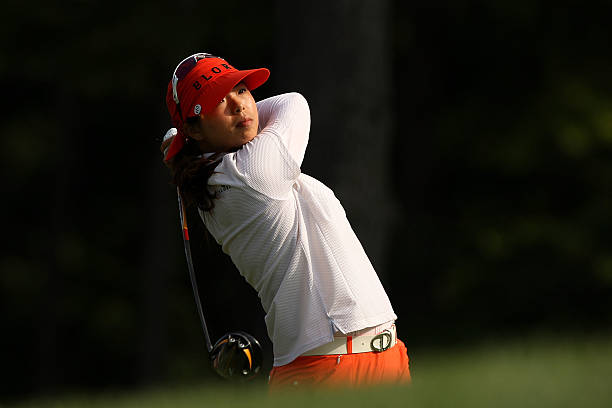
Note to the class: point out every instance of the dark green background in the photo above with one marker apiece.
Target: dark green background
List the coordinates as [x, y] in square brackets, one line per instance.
[497, 122]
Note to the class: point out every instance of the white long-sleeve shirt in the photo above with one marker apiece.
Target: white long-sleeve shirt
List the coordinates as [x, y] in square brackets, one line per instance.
[289, 237]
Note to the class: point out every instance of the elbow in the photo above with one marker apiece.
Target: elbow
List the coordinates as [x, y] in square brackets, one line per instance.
[298, 99]
[299, 104]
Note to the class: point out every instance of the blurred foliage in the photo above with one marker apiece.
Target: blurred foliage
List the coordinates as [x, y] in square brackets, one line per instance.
[507, 209]
[502, 165]
[83, 176]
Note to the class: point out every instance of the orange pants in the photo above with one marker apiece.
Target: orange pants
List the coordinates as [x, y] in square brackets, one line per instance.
[362, 369]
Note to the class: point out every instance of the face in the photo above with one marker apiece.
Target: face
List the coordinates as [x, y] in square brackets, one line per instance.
[231, 124]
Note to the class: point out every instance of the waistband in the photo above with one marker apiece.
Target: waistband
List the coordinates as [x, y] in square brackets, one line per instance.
[371, 341]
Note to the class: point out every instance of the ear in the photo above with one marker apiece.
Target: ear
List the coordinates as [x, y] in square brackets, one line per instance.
[193, 130]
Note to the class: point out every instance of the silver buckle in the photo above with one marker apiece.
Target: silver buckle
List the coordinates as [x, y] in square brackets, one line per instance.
[384, 340]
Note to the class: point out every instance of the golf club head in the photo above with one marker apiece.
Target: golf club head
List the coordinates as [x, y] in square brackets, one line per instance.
[236, 356]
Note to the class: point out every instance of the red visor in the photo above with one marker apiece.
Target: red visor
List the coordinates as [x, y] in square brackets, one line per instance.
[202, 89]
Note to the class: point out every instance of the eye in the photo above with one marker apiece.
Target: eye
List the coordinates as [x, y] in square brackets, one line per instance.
[242, 90]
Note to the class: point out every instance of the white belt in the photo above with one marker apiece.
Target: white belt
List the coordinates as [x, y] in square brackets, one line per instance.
[357, 344]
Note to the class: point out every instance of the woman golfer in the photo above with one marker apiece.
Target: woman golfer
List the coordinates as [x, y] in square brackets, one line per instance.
[327, 314]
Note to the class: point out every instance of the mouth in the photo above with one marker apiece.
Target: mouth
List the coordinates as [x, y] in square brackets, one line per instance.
[246, 122]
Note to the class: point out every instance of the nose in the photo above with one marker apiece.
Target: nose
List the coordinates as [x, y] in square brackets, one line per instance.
[237, 104]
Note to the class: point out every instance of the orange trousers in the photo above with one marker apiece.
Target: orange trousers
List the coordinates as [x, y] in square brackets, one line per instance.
[344, 370]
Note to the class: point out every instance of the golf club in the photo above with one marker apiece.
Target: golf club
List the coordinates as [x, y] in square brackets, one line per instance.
[236, 355]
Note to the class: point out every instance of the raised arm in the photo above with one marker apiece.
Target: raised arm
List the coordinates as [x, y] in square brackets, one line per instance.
[287, 116]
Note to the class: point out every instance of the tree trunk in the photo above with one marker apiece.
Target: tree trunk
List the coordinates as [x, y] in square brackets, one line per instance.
[337, 54]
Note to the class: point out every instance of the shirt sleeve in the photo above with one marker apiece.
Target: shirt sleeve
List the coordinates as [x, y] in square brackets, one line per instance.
[271, 162]
[287, 116]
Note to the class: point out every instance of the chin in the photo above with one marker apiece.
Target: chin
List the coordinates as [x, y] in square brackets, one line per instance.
[248, 138]
[239, 146]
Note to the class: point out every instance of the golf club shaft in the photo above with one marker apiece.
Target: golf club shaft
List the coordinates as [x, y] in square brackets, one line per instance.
[192, 276]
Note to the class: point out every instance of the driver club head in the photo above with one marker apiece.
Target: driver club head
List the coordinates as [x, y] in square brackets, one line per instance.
[236, 356]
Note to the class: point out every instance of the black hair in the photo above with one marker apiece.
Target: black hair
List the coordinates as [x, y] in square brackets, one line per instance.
[191, 170]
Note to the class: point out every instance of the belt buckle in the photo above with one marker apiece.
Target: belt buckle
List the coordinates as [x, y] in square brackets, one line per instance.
[384, 340]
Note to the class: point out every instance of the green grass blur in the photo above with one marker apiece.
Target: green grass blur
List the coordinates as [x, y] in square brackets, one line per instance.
[535, 372]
